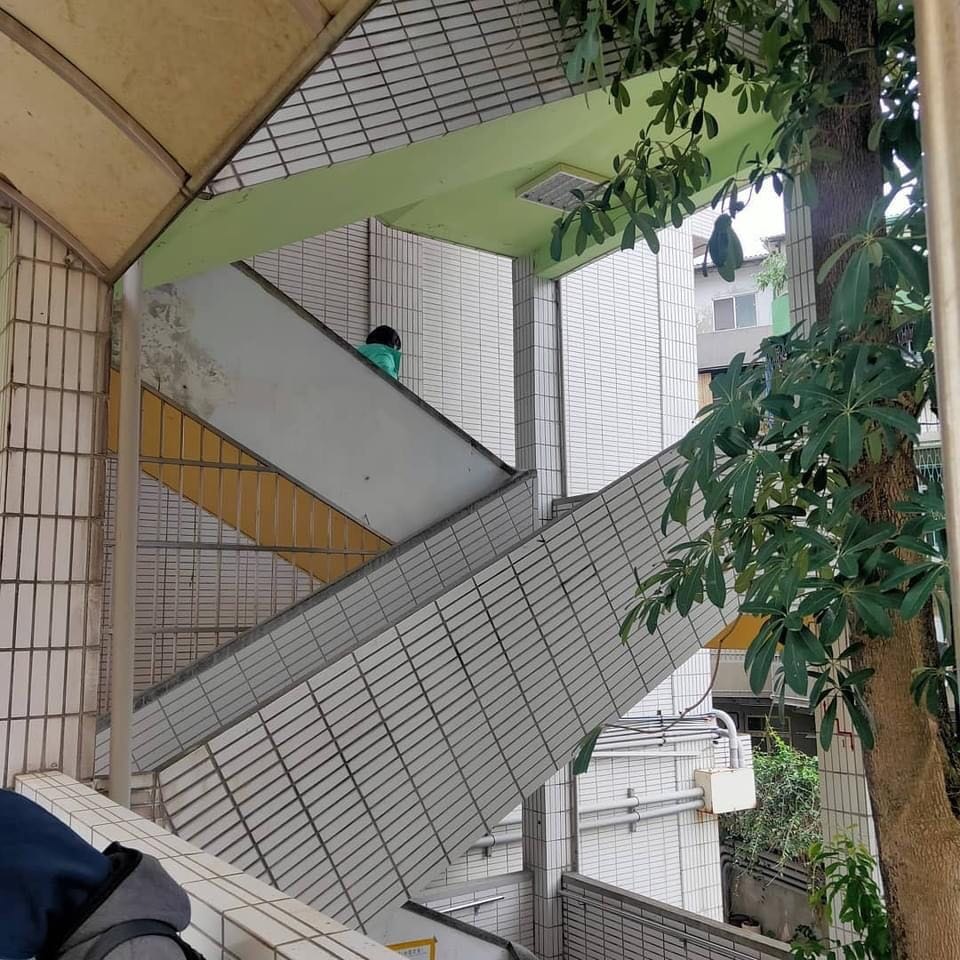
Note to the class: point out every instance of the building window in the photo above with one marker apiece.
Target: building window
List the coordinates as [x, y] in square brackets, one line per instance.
[739, 311]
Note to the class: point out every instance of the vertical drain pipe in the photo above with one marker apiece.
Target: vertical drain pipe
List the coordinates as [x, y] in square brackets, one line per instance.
[938, 53]
[125, 546]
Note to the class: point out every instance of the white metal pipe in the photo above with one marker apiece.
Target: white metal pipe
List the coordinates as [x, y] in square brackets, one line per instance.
[496, 840]
[125, 548]
[663, 740]
[647, 754]
[628, 803]
[938, 56]
[653, 814]
[693, 798]
[473, 905]
[736, 760]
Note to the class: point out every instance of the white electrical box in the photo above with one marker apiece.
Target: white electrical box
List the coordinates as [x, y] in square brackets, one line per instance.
[726, 790]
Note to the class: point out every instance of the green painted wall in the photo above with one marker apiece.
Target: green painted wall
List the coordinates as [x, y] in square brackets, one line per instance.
[781, 315]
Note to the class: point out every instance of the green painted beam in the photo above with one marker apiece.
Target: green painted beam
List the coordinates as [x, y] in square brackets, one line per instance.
[460, 187]
[240, 224]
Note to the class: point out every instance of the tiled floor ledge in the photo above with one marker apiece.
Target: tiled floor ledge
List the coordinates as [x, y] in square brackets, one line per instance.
[234, 915]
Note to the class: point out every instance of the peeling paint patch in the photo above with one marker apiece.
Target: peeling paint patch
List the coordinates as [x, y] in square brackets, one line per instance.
[171, 360]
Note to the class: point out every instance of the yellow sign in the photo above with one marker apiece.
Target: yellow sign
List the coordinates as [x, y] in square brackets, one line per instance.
[416, 949]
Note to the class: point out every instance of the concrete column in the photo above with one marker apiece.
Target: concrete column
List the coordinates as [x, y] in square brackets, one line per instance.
[54, 332]
[549, 849]
[801, 276]
[844, 800]
[537, 379]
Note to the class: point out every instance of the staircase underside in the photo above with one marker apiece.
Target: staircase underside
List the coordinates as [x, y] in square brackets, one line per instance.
[353, 786]
[228, 685]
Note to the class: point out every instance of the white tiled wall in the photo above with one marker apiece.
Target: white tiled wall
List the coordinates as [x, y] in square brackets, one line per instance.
[844, 799]
[601, 921]
[233, 916]
[676, 858]
[537, 384]
[328, 275]
[396, 295]
[410, 70]
[54, 328]
[508, 911]
[200, 583]
[482, 864]
[467, 341]
[678, 332]
[453, 309]
[629, 359]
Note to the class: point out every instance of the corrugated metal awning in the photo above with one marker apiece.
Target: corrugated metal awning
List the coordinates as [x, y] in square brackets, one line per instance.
[115, 115]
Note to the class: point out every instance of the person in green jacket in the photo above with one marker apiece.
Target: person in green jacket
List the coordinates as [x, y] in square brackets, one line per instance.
[383, 349]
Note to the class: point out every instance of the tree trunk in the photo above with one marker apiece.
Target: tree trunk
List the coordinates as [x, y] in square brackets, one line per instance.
[918, 834]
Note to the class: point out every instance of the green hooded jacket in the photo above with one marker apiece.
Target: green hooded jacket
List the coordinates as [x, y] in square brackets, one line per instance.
[386, 358]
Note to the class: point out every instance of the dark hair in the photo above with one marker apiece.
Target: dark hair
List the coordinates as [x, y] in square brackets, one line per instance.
[385, 336]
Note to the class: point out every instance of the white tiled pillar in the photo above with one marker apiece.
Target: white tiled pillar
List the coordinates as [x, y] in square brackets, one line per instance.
[395, 295]
[678, 333]
[549, 839]
[844, 799]
[54, 331]
[537, 395]
[801, 276]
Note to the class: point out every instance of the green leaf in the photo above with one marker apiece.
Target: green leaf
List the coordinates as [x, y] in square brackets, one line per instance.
[714, 581]
[910, 263]
[556, 242]
[629, 239]
[895, 417]
[744, 489]
[652, 15]
[848, 447]
[628, 622]
[794, 667]
[861, 721]
[829, 723]
[764, 650]
[647, 227]
[830, 10]
[834, 259]
[874, 617]
[918, 595]
[688, 591]
[819, 690]
[582, 762]
[850, 298]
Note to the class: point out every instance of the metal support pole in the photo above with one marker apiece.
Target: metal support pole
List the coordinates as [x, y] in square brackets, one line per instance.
[938, 53]
[125, 547]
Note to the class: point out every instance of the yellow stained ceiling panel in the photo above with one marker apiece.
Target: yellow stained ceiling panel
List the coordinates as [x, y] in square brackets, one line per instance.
[66, 156]
[114, 115]
[186, 70]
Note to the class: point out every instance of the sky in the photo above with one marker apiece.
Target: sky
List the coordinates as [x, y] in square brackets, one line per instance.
[763, 217]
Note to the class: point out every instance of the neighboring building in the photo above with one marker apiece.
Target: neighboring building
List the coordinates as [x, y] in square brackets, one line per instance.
[733, 317]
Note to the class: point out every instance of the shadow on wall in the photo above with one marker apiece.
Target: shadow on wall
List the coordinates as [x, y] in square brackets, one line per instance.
[778, 905]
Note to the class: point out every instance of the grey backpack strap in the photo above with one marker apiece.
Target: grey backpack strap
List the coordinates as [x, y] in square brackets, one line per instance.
[131, 930]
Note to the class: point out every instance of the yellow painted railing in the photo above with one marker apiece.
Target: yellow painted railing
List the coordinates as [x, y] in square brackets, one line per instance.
[195, 461]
